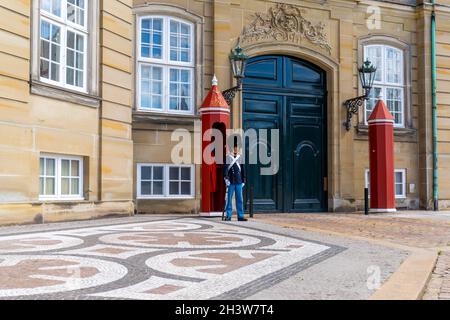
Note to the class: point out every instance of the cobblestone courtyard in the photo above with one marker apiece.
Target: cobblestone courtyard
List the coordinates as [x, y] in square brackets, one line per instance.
[413, 230]
[184, 258]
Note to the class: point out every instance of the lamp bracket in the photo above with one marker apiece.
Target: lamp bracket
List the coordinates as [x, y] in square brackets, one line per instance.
[353, 106]
[230, 94]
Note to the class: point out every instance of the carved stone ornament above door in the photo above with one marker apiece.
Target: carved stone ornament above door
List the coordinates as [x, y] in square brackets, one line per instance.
[285, 22]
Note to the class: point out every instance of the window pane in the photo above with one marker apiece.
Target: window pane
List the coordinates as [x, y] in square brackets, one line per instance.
[54, 72]
[157, 24]
[65, 186]
[55, 56]
[56, 33]
[394, 102]
[180, 95]
[393, 65]
[398, 189]
[146, 188]
[146, 173]
[174, 188]
[173, 105]
[79, 79]
[145, 37]
[75, 187]
[71, 39]
[157, 52]
[76, 11]
[71, 13]
[373, 99]
[41, 186]
[151, 38]
[80, 61]
[65, 168]
[184, 104]
[158, 173]
[45, 49]
[56, 7]
[151, 87]
[50, 187]
[70, 76]
[185, 173]
[46, 5]
[174, 173]
[180, 41]
[45, 69]
[45, 30]
[41, 166]
[157, 102]
[145, 51]
[145, 102]
[75, 168]
[158, 188]
[50, 167]
[52, 6]
[399, 177]
[185, 188]
[375, 55]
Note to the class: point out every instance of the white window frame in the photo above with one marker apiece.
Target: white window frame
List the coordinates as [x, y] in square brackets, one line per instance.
[58, 197]
[65, 25]
[397, 196]
[166, 181]
[383, 84]
[166, 64]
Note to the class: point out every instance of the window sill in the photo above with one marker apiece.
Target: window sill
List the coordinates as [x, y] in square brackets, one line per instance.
[363, 129]
[150, 117]
[165, 198]
[61, 200]
[63, 94]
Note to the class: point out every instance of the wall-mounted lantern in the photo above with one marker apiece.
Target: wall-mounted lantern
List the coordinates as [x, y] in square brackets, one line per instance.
[367, 74]
[238, 60]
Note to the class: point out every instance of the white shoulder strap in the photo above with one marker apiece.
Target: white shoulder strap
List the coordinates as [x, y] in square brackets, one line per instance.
[235, 160]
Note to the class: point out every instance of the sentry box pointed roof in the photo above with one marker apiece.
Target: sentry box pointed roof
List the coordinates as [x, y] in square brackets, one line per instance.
[215, 101]
[381, 113]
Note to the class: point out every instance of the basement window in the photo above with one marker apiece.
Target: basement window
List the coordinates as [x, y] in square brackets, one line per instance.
[400, 182]
[61, 178]
[162, 181]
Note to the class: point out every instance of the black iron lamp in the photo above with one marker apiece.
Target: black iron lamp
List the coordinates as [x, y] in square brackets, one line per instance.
[238, 60]
[367, 74]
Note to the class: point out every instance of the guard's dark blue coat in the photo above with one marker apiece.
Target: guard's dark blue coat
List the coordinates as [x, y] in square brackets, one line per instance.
[233, 174]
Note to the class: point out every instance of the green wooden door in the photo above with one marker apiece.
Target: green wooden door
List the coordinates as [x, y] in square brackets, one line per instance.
[287, 94]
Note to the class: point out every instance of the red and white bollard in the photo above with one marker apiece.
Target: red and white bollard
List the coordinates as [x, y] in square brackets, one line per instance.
[381, 153]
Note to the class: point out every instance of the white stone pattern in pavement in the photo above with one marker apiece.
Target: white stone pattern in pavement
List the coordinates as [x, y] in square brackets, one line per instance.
[170, 259]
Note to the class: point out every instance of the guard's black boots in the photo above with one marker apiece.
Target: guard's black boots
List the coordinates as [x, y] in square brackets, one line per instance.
[243, 219]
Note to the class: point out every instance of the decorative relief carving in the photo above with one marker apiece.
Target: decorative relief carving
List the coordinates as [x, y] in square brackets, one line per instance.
[285, 22]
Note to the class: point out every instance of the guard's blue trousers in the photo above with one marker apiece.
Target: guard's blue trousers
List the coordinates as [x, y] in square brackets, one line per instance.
[239, 201]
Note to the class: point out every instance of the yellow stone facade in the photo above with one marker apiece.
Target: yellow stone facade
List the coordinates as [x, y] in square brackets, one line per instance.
[95, 126]
[105, 128]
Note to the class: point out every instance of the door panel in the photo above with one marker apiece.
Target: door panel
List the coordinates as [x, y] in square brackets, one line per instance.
[265, 71]
[289, 95]
[307, 189]
[263, 114]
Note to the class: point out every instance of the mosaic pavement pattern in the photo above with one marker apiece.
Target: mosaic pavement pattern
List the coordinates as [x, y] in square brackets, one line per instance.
[167, 259]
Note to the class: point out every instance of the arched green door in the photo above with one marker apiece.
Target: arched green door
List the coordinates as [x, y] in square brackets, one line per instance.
[290, 95]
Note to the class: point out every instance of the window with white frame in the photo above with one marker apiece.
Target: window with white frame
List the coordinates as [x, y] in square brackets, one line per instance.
[61, 177]
[389, 80]
[165, 181]
[63, 43]
[165, 65]
[400, 182]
